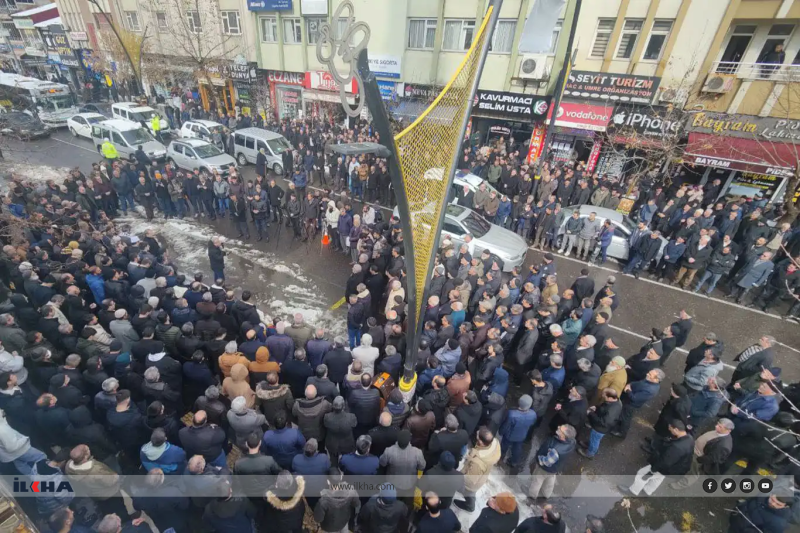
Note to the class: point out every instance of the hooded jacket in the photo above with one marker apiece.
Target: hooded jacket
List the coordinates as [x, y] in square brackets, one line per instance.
[84, 430]
[228, 360]
[170, 369]
[382, 513]
[169, 458]
[339, 439]
[95, 478]
[283, 445]
[478, 464]
[236, 384]
[274, 399]
[243, 424]
[284, 510]
[261, 366]
[234, 515]
[336, 506]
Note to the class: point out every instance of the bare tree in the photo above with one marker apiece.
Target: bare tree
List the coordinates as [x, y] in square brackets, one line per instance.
[121, 46]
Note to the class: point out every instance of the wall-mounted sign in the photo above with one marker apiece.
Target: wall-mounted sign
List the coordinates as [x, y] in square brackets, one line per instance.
[78, 36]
[384, 65]
[421, 92]
[269, 5]
[512, 105]
[592, 117]
[746, 127]
[321, 80]
[23, 24]
[286, 78]
[33, 51]
[313, 7]
[609, 86]
[537, 143]
[388, 90]
[651, 122]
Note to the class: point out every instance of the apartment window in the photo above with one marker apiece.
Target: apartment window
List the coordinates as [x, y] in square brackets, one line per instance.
[658, 37]
[13, 31]
[230, 23]
[556, 33]
[421, 33]
[313, 24]
[602, 37]
[738, 43]
[194, 22]
[161, 21]
[292, 34]
[778, 34]
[630, 34]
[132, 18]
[269, 30]
[503, 36]
[458, 35]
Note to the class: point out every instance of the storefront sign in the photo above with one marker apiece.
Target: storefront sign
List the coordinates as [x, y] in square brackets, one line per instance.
[388, 90]
[608, 86]
[537, 144]
[385, 66]
[500, 130]
[33, 51]
[313, 7]
[286, 78]
[421, 92]
[269, 5]
[737, 165]
[590, 117]
[23, 24]
[514, 105]
[541, 105]
[591, 164]
[652, 122]
[321, 80]
[746, 127]
[58, 45]
[78, 36]
[239, 72]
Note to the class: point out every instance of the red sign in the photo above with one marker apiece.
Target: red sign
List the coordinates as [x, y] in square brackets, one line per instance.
[594, 156]
[582, 116]
[321, 80]
[537, 144]
[286, 78]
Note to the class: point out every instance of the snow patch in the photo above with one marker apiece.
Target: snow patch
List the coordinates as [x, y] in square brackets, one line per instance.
[35, 173]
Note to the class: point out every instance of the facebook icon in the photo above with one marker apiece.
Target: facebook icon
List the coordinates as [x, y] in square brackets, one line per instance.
[710, 486]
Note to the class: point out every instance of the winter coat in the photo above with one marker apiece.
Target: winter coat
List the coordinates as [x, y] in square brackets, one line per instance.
[365, 404]
[169, 458]
[697, 377]
[675, 457]
[517, 424]
[243, 424]
[261, 366]
[281, 348]
[283, 444]
[206, 440]
[382, 514]
[93, 477]
[237, 385]
[170, 369]
[227, 361]
[127, 428]
[605, 416]
[234, 515]
[420, 427]
[403, 463]
[755, 273]
[309, 416]
[760, 517]
[339, 439]
[300, 334]
[273, 399]
[615, 380]
[336, 506]
[478, 464]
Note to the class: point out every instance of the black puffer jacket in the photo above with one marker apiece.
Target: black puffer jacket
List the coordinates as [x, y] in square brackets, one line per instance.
[309, 417]
[274, 399]
[284, 509]
[339, 438]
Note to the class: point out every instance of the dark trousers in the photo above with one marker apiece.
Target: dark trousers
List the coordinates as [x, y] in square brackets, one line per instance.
[665, 270]
[739, 292]
[295, 226]
[241, 225]
[261, 226]
[625, 419]
[769, 296]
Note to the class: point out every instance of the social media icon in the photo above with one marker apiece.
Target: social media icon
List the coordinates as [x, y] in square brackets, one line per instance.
[746, 485]
[710, 486]
[765, 485]
[728, 486]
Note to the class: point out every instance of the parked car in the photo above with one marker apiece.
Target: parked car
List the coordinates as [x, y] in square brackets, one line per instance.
[141, 114]
[623, 227]
[199, 129]
[460, 221]
[194, 154]
[80, 125]
[22, 125]
[127, 136]
[248, 141]
[101, 108]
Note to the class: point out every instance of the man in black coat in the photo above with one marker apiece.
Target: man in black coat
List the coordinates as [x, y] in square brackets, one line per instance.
[695, 258]
[240, 216]
[673, 458]
[573, 411]
[202, 438]
[295, 373]
[337, 359]
[216, 257]
[469, 413]
[711, 450]
[384, 435]
[448, 439]
[583, 286]
[365, 403]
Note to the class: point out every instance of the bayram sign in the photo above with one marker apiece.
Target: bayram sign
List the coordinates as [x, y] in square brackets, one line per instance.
[651, 122]
[746, 127]
[518, 106]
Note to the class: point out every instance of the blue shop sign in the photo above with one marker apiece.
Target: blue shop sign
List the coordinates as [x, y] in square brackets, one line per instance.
[269, 5]
[387, 89]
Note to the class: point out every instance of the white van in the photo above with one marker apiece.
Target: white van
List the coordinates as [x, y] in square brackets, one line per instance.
[139, 114]
[126, 137]
[248, 141]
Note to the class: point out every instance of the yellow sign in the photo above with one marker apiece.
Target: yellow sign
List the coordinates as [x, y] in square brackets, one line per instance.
[108, 81]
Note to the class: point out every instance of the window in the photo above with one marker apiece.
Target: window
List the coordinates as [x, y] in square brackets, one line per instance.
[658, 36]
[503, 36]
[630, 34]
[458, 34]
[249, 142]
[177, 148]
[737, 45]
[556, 33]
[161, 20]
[313, 24]
[452, 228]
[132, 18]
[13, 32]
[194, 22]
[269, 30]
[778, 35]
[601, 37]
[116, 138]
[421, 33]
[291, 31]
[230, 23]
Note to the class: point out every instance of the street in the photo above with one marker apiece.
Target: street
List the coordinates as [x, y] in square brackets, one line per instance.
[287, 277]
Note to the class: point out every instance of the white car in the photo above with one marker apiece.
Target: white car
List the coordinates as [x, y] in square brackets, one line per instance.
[80, 125]
[194, 154]
[199, 129]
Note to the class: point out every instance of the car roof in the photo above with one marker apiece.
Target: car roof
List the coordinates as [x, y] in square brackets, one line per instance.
[207, 123]
[88, 115]
[133, 106]
[121, 124]
[259, 133]
[602, 212]
[471, 179]
[192, 142]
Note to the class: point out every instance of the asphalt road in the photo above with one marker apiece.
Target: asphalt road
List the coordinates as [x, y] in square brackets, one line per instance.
[288, 276]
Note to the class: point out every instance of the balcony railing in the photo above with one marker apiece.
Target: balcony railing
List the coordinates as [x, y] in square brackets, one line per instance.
[758, 71]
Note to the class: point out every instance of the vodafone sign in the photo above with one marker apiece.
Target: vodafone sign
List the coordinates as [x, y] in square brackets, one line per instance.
[582, 116]
[320, 80]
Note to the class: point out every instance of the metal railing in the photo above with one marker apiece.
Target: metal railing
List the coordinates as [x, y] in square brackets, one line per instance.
[758, 71]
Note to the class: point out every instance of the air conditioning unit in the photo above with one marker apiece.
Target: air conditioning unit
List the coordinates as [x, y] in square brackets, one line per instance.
[672, 96]
[533, 67]
[719, 83]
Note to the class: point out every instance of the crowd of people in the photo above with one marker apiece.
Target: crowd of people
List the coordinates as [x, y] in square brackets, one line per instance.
[234, 418]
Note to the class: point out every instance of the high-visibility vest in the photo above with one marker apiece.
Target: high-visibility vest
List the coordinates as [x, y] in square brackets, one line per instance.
[155, 123]
[109, 152]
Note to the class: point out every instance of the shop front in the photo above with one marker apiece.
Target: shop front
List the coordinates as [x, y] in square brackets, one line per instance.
[321, 94]
[505, 115]
[414, 99]
[285, 91]
[61, 55]
[577, 134]
[754, 154]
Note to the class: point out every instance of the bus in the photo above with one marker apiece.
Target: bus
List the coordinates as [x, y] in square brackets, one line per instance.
[53, 102]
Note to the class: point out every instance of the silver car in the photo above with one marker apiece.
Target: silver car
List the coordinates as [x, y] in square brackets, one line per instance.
[194, 154]
[507, 245]
[622, 224]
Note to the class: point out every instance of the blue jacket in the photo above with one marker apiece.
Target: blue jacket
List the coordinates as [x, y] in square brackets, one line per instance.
[562, 448]
[283, 445]
[761, 407]
[605, 237]
[359, 465]
[706, 404]
[318, 465]
[182, 315]
[765, 518]
[674, 251]
[517, 424]
[499, 383]
[754, 275]
[308, 163]
[458, 317]
[316, 350]
[96, 284]
[555, 376]
[172, 459]
[281, 348]
[248, 348]
[641, 392]
[425, 379]
[504, 210]
[646, 213]
[448, 359]
[300, 179]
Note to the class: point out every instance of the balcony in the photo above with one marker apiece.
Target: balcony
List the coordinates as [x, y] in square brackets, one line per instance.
[759, 71]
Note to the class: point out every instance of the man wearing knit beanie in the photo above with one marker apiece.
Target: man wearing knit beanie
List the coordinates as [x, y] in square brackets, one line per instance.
[515, 430]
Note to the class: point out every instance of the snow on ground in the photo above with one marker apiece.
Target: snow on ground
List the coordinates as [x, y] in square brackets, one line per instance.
[34, 173]
[279, 289]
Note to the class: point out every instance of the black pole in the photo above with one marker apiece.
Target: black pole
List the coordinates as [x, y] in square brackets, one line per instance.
[568, 59]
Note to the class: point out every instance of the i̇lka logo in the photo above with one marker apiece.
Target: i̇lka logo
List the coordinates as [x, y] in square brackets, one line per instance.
[41, 486]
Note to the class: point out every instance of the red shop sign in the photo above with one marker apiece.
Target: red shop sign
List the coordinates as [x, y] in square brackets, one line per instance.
[537, 144]
[594, 156]
[591, 117]
[321, 80]
[286, 78]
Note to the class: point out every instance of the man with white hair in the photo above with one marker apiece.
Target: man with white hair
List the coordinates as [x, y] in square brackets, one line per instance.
[280, 345]
[216, 257]
[395, 289]
[367, 354]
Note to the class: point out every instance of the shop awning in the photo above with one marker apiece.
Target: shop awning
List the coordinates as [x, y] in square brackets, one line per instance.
[750, 155]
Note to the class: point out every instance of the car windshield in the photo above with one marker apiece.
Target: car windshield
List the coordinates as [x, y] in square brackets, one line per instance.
[24, 118]
[57, 103]
[207, 150]
[137, 136]
[95, 120]
[215, 129]
[476, 225]
[279, 145]
[140, 116]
